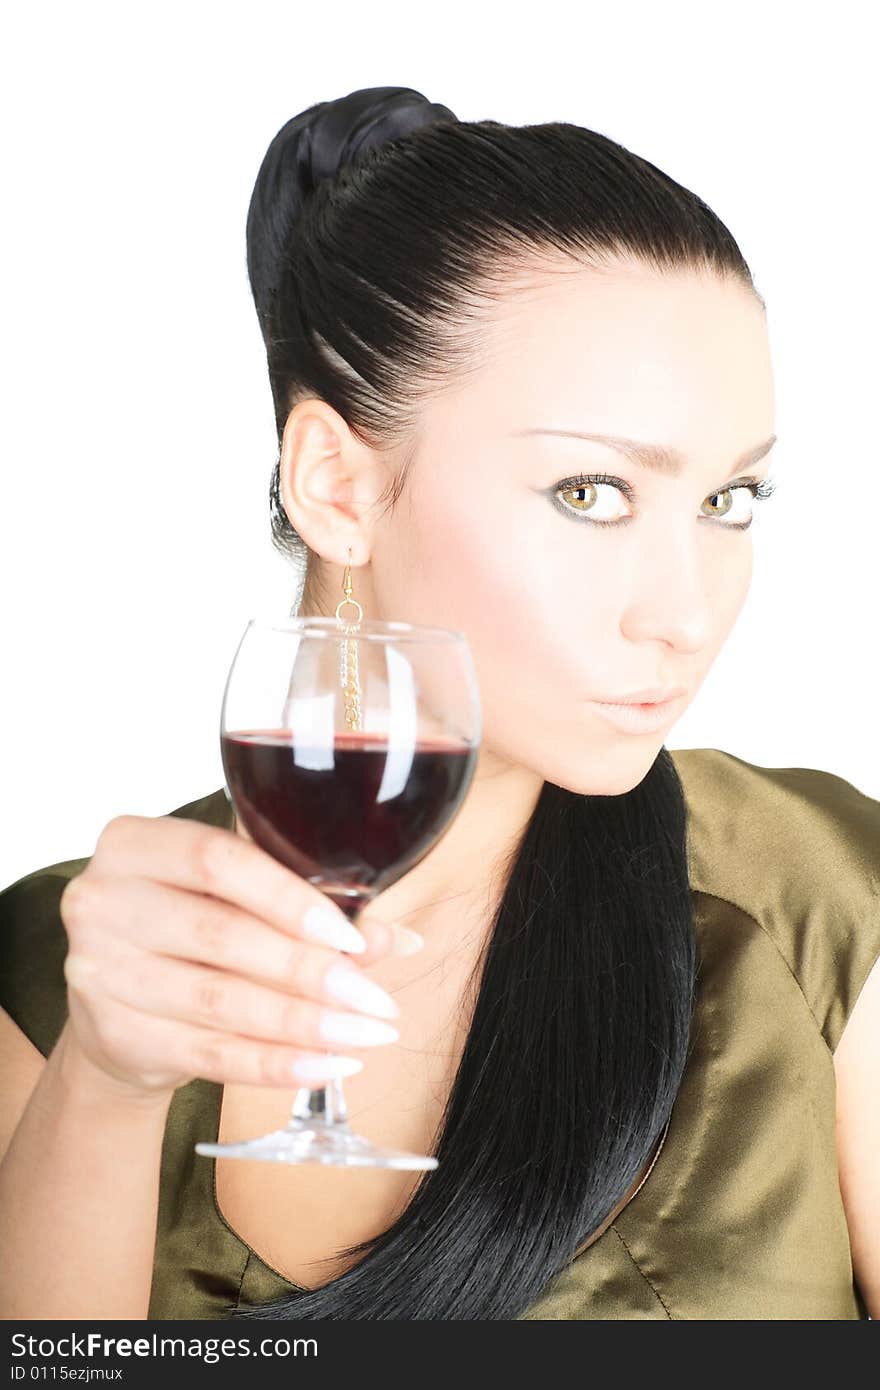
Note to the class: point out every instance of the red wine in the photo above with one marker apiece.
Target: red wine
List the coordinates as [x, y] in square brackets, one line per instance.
[350, 818]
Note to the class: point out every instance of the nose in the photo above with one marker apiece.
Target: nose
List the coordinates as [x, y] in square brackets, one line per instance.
[674, 593]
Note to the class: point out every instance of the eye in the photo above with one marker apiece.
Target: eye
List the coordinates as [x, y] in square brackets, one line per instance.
[583, 493]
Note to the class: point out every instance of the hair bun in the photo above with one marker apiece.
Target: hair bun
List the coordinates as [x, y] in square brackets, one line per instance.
[338, 131]
[314, 146]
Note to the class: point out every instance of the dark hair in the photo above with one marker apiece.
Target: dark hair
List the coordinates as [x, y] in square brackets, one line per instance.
[380, 234]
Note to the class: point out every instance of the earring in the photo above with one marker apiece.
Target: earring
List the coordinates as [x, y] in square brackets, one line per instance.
[346, 589]
[348, 662]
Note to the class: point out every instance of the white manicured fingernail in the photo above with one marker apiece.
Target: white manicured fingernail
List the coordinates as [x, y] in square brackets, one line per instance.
[355, 1030]
[406, 942]
[329, 928]
[319, 1068]
[347, 984]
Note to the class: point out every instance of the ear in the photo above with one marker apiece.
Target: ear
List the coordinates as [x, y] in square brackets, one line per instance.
[329, 482]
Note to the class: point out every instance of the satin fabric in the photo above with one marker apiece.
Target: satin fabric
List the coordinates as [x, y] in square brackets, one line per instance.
[741, 1216]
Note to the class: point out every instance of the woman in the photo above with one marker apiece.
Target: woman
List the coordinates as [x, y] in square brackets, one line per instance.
[620, 1034]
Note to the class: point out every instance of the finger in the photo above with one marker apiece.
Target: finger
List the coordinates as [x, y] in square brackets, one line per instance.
[150, 1042]
[229, 1059]
[379, 939]
[214, 999]
[154, 918]
[209, 859]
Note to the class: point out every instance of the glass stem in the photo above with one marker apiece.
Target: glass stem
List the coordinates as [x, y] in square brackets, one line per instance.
[325, 1104]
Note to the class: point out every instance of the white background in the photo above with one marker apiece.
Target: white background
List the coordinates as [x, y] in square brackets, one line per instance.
[137, 430]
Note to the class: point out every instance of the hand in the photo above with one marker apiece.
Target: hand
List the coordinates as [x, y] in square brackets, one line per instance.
[192, 952]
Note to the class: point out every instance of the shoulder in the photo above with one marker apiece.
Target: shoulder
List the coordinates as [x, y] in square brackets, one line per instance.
[33, 942]
[798, 850]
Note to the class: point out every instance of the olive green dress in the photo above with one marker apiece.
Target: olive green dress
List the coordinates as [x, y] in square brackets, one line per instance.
[741, 1215]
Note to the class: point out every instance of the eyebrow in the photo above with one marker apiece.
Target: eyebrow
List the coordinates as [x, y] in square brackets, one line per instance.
[657, 457]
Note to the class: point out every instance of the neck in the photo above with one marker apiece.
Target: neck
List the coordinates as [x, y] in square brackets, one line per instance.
[453, 890]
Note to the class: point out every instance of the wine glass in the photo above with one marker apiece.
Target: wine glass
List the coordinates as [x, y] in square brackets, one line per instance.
[348, 749]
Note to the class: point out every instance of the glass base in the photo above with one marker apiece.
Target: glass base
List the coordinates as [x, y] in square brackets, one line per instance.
[311, 1141]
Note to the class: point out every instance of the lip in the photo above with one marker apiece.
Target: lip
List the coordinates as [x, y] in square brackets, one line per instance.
[638, 718]
[657, 694]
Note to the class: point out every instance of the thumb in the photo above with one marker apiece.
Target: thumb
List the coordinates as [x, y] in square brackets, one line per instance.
[387, 938]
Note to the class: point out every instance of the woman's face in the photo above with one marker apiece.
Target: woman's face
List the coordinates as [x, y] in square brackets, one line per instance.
[559, 610]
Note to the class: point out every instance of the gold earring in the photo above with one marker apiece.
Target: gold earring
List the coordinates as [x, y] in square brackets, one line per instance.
[348, 662]
[346, 589]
